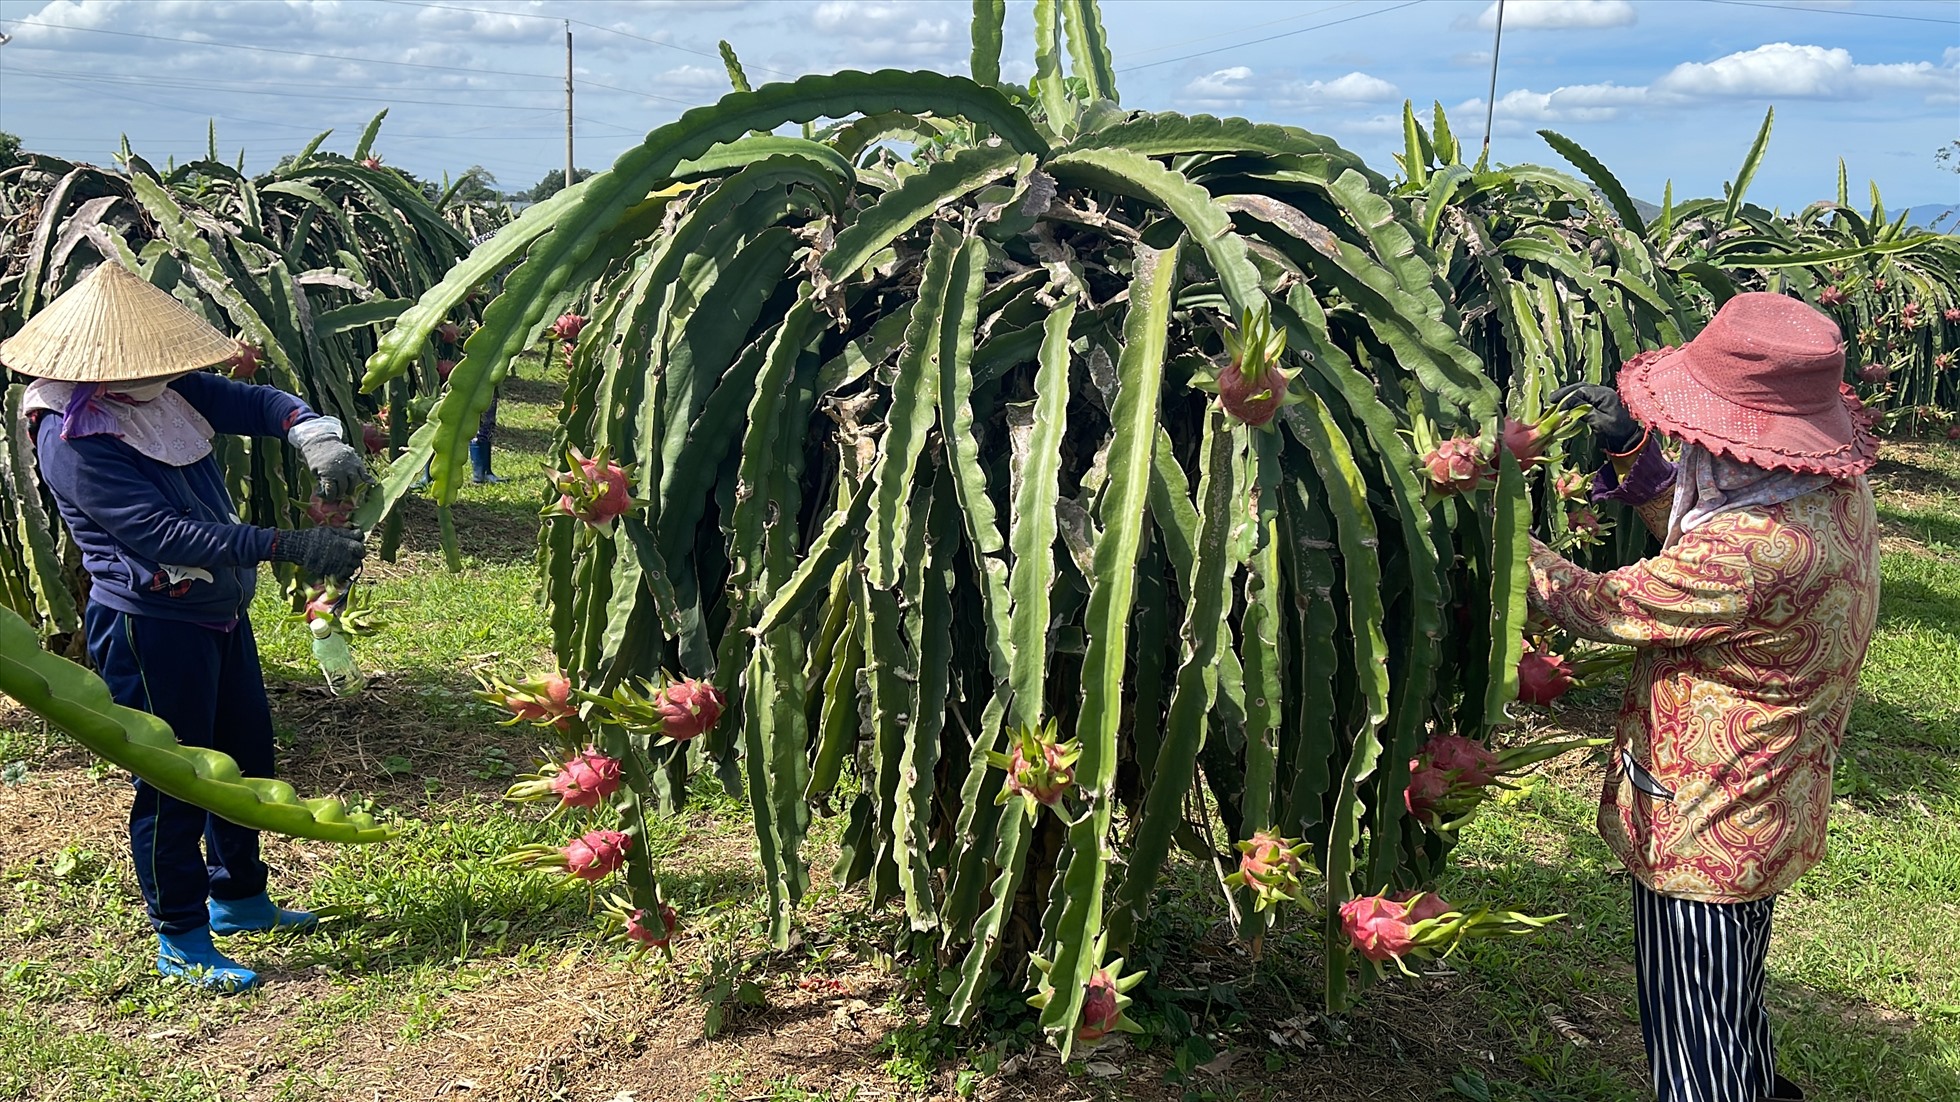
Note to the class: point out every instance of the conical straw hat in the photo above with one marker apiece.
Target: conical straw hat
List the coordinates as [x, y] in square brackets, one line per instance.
[113, 327]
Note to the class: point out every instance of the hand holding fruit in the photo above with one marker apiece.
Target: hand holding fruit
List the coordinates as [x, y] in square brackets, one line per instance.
[1611, 424]
[339, 468]
[332, 553]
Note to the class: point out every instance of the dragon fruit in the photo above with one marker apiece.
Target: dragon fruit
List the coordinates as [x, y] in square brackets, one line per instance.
[1470, 761]
[244, 363]
[595, 491]
[1269, 866]
[1951, 313]
[1953, 431]
[1040, 768]
[1909, 314]
[1830, 296]
[1542, 677]
[1422, 906]
[329, 514]
[1457, 464]
[1377, 927]
[596, 854]
[1525, 442]
[1104, 996]
[443, 368]
[447, 332]
[688, 707]
[546, 701]
[586, 780]
[374, 439]
[1875, 374]
[1878, 284]
[1252, 399]
[1571, 485]
[371, 162]
[1428, 788]
[568, 327]
[1582, 520]
[652, 930]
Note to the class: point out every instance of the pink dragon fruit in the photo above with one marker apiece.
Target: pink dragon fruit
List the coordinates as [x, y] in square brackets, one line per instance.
[374, 438]
[1428, 787]
[596, 492]
[1830, 296]
[1254, 400]
[447, 332]
[1470, 761]
[1525, 442]
[587, 780]
[1875, 374]
[1582, 520]
[1420, 907]
[244, 363]
[1253, 387]
[1377, 927]
[1101, 1009]
[1909, 314]
[545, 701]
[654, 931]
[1269, 866]
[1878, 284]
[1040, 767]
[1457, 464]
[1542, 677]
[1571, 485]
[371, 162]
[1951, 313]
[443, 368]
[688, 708]
[568, 327]
[1953, 431]
[329, 514]
[1943, 361]
[596, 854]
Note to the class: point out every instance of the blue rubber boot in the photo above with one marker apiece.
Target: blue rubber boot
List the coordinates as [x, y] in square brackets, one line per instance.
[238, 916]
[191, 956]
[480, 463]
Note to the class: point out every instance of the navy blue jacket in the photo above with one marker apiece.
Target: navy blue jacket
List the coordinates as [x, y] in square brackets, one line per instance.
[133, 516]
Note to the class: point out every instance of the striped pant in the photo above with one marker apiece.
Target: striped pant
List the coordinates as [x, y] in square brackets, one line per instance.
[1701, 974]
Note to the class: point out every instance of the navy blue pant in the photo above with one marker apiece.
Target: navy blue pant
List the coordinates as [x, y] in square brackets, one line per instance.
[206, 684]
[1701, 971]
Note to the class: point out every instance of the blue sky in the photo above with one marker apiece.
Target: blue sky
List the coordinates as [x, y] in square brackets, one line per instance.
[1658, 89]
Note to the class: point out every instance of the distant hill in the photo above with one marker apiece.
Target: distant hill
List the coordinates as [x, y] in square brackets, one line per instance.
[1946, 218]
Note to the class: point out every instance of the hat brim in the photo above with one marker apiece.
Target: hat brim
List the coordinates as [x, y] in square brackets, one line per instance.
[1663, 394]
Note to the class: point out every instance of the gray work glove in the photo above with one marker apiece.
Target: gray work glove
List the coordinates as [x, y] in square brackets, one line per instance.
[333, 554]
[323, 446]
[1611, 424]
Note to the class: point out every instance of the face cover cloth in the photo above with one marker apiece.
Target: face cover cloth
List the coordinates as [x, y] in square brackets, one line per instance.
[144, 413]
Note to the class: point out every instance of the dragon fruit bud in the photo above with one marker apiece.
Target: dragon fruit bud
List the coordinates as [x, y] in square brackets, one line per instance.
[244, 363]
[650, 929]
[1542, 677]
[1876, 374]
[1951, 313]
[586, 781]
[1470, 761]
[596, 854]
[1525, 442]
[688, 707]
[1456, 464]
[568, 326]
[370, 162]
[1377, 927]
[443, 368]
[447, 332]
[1830, 296]
[1269, 866]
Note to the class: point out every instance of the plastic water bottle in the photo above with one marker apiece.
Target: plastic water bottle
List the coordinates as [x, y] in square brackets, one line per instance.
[336, 661]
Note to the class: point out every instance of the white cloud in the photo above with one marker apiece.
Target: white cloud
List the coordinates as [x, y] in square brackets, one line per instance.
[1783, 69]
[887, 32]
[1353, 88]
[1577, 102]
[1560, 15]
[1225, 88]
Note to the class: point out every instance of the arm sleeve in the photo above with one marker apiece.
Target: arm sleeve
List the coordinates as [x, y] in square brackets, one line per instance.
[1644, 487]
[1694, 592]
[101, 478]
[240, 409]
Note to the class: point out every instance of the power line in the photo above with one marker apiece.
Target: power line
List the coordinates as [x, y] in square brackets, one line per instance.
[1270, 38]
[277, 50]
[583, 23]
[1839, 11]
[1253, 27]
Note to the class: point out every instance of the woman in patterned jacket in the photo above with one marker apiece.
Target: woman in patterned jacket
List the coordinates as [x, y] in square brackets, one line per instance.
[1750, 627]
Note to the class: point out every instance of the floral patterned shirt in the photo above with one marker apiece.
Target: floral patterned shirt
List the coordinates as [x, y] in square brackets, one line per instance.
[1750, 632]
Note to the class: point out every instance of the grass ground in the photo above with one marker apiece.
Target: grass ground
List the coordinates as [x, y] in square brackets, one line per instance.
[451, 978]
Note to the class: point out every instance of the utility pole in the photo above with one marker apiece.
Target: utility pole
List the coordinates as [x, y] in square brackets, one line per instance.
[570, 179]
[1490, 101]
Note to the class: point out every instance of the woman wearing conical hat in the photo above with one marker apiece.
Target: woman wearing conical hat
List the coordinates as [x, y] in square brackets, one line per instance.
[1750, 628]
[122, 417]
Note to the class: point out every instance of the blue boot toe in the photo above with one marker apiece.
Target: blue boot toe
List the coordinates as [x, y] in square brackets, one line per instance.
[256, 914]
[192, 957]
